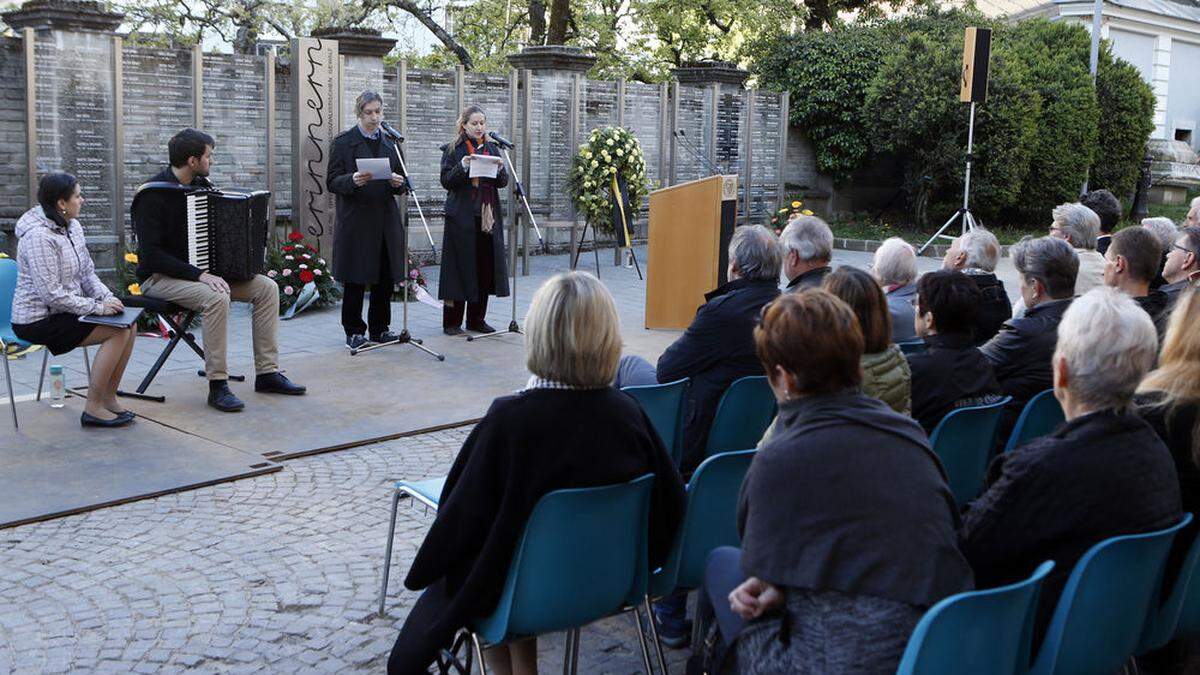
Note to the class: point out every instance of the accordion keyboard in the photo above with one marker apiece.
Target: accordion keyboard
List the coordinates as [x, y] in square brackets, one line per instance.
[198, 230]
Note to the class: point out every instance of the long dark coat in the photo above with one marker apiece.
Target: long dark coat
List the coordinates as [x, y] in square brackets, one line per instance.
[457, 281]
[367, 216]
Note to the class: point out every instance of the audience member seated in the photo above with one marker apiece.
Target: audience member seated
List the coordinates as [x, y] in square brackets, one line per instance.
[975, 254]
[1132, 263]
[1183, 264]
[950, 373]
[1193, 216]
[57, 284]
[807, 244]
[895, 267]
[1108, 208]
[885, 371]
[847, 526]
[567, 429]
[1165, 230]
[1020, 353]
[1103, 473]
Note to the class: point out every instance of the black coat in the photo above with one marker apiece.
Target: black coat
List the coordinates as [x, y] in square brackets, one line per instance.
[949, 374]
[1020, 355]
[846, 495]
[715, 350]
[994, 307]
[367, 216]
[531, 443]
[1098, 476]
[161, 231]
[457, 278]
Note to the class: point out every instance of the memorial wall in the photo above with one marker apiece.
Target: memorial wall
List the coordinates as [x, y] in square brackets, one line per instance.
[77, 75]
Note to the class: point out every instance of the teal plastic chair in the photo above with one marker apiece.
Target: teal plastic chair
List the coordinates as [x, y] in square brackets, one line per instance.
[963, 440]
[663, 404]
[1098, 621]
[1167, 619]
[583, 556]
[1041, 415]
[979, 632]
[8, 288]
[743, 415]
[427, 492]
[709, 521]
[911, 346]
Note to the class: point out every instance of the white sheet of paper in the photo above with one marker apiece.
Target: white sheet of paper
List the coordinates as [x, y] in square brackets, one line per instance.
[380, 167]
[484, 166]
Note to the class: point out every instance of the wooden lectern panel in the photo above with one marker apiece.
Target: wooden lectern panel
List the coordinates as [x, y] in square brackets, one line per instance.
[690, 224]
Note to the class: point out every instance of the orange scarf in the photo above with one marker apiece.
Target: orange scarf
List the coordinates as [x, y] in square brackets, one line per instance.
[486, 193]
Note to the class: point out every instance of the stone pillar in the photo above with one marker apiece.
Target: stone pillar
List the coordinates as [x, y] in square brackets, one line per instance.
[552, 121]
[1162, 77]
[724, 144]
[75, 125]
[362, 50]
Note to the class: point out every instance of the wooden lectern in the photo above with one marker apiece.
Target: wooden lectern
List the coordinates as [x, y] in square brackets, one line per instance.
[690, 227]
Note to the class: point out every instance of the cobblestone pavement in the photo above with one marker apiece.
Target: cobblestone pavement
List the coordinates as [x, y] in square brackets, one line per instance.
[278, 573]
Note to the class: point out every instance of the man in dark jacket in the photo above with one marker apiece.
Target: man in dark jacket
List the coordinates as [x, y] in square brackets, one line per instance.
[807, 247]
[1131, 264]
[1020, 353]
[163, 269]
[1102, 474]
[1183, 264]
[950, 373]
[1108, 207]
[975, 254]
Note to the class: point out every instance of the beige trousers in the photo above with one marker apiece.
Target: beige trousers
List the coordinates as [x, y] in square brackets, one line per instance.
[213, 307]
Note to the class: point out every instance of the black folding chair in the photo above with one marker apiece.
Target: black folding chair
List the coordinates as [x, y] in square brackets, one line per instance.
[167, 311]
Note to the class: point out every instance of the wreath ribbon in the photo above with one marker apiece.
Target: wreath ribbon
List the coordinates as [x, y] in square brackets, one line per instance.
[621, 206]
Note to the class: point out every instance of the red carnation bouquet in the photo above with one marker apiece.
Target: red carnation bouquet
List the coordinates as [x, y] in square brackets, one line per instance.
[302, 274]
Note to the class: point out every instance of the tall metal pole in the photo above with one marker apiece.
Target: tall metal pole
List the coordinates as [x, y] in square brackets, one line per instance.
[1094, 62]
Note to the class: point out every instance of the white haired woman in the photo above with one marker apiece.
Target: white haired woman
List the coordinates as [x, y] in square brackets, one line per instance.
[895, 268]
[568, 428]
[1102, 473]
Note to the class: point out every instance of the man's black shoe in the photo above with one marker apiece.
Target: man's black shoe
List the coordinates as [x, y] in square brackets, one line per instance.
[452, 330]
[385, 337]
[221, 398]
[356, 341]
[480, 327]
[277, 383]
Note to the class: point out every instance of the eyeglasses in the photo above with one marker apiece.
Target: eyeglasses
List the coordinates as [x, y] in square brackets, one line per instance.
[1182, 248]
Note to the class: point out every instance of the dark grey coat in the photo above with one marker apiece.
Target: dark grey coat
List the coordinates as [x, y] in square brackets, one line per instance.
[457, 280]
[367, 216]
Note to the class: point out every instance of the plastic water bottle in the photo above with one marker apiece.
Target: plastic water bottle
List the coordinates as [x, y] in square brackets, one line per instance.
[58, 387]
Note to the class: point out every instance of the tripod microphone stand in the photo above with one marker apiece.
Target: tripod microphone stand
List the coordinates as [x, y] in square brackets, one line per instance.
[519, 190]
[968, 220]
[405, 336]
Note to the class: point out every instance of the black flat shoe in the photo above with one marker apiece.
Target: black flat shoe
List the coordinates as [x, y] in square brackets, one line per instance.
[481, 327]
[277, 383]
[89, 420]
[452, 330]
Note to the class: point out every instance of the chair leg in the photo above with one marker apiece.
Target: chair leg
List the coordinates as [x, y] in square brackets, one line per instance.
[568, 651]
[42, 377]
[479, 654]
[575, 653]
[658, 647]
[12, 400]
[87, 365]
[387, 555]
[637, 619]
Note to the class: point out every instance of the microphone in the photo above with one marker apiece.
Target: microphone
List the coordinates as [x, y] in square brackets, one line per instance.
[391, 131]
[500, 140]
[695, 152]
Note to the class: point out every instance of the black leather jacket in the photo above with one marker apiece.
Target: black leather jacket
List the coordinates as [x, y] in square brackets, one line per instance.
[1021, 352]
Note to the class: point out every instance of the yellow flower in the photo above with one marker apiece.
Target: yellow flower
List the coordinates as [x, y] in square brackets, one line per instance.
[131, 258]
[135, 289]
[807, 212]
[795, 204]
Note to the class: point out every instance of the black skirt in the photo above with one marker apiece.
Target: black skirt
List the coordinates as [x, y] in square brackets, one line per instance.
[60, 333]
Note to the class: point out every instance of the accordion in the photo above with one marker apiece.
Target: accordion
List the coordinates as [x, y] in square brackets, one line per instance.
[226, 229]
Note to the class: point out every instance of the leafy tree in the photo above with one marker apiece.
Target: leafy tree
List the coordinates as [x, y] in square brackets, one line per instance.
[1126, 104]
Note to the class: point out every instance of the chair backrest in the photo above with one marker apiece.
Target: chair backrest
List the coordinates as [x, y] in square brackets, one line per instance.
[582, 555]
[1179, 612]
[911, 346]
[743, 415]
[663, 404]
[710, 520]
[1041, 415]
[979, 632]
[8, 288]
[1103, 607]
[963, 440]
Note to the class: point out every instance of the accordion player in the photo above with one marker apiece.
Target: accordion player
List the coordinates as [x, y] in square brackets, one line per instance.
[226, 229]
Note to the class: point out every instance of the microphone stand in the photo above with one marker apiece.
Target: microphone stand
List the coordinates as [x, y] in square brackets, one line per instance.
[519, 190]
[695, 152]
[405, 337]
[417, 200]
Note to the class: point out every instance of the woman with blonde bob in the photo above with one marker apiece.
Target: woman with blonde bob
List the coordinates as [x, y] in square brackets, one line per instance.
[568, 428]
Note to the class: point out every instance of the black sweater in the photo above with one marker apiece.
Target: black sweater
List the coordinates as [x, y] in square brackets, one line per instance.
[162, 233]
[949, 374]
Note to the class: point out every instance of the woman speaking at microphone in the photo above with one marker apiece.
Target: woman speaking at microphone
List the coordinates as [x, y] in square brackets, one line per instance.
[473, 261]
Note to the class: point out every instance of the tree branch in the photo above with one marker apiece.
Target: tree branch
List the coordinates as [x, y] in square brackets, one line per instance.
[426, 19]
